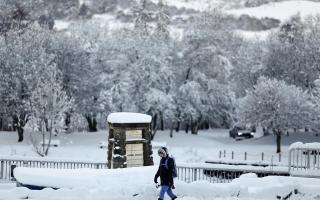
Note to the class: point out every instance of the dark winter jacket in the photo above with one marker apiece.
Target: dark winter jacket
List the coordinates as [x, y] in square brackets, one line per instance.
[164, 173]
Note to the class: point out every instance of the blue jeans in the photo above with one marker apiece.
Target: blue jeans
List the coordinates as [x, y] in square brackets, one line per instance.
[166, 189]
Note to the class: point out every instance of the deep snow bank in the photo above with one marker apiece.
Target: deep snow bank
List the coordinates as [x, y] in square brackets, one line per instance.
[89, 178]
[137, 183]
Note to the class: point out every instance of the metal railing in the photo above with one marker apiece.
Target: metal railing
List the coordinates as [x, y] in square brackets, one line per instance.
[7, 166]
[220, 174]
[304, 161]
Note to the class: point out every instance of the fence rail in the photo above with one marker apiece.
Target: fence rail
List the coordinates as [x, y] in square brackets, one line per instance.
[7, 166]
[254, 157]
[221, 174]
[304, 161]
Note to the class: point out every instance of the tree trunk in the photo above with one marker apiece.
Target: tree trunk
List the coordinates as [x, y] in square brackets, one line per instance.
[178, 126]
[187, 128]
[92, 123]
[1, 124]
[153, 133]
[20, 134]
[67, 122]
[278, 135]
[171, 130]
[18, 125]
[154, 121]
[42, 128]
[206, 125]
[161, 121]
[194, 128]
[49, 140]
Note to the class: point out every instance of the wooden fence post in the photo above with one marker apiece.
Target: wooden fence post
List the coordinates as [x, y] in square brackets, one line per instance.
[262, 156]
[245, 155]
[232, 155]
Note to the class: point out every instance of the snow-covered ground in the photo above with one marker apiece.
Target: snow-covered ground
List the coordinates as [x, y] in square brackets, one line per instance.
[198, 5]
[186, 148]
[137, 183]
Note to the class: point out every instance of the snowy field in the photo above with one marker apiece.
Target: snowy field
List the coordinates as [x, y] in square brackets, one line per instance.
[186, 148]
[276, 11]
[280, 10]
[199, 5]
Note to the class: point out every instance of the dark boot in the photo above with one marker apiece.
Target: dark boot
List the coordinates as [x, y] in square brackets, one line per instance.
[174, 197]
[159, 199]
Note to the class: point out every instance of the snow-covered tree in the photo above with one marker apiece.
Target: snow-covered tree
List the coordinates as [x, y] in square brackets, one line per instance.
[162, 22]
[143, 19]
[206, 48]
[81, 77]
[293, 54]
[277, 105]
[315, 100]
[248, 67]
[136, 68]
[49, 104]
[20, 56]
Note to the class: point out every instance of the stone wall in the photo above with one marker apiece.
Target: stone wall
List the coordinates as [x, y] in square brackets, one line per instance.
[117, 146]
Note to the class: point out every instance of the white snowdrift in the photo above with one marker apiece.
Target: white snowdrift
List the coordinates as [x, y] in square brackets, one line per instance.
[91, 178]
[137, 183]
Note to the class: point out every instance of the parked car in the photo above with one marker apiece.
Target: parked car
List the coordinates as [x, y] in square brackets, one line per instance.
[242, 132]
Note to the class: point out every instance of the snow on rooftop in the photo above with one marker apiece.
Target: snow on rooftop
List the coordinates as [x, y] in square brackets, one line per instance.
[280, 10]
[128, 118]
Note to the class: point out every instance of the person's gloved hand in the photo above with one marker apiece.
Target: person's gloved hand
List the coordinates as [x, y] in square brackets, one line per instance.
[172, 186]
[155, 180]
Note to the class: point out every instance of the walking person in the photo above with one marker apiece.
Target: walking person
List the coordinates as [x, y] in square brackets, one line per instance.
[166, 172]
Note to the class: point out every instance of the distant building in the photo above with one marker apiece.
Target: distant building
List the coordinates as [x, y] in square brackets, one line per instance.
[129, 142]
